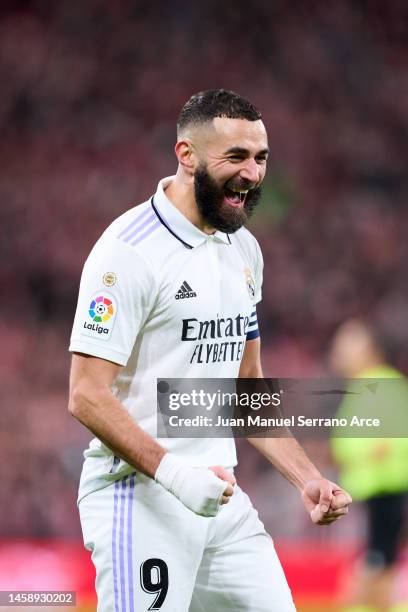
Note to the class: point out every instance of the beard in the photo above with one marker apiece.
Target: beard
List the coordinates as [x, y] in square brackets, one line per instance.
[209, 197]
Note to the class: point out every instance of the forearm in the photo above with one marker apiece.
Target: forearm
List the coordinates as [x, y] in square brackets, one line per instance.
[108, 420]
[288, 457]
[202, 490]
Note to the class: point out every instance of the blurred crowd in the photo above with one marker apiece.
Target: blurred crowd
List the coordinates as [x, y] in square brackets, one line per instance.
[90, 93]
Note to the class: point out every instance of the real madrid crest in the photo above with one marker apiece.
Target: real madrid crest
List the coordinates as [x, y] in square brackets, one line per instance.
[250, 283]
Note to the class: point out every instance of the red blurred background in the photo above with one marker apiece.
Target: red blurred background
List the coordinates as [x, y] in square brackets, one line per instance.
[90, 93]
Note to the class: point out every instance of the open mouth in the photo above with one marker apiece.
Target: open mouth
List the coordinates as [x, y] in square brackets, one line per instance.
[235, 198]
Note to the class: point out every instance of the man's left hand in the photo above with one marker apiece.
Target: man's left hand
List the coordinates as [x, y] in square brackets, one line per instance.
[325, 501]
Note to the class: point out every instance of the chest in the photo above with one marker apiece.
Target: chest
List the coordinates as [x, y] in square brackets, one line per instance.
[208, 286]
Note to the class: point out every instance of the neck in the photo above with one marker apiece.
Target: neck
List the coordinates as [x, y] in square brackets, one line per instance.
[180, 192]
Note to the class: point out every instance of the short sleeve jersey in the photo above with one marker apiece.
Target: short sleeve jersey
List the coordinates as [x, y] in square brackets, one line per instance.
[165, 300]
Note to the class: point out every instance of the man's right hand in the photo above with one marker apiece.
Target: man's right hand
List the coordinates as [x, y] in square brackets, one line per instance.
[225, 475]
[201, 489]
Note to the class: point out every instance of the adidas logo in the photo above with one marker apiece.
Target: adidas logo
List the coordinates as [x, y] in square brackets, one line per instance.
[185, 291]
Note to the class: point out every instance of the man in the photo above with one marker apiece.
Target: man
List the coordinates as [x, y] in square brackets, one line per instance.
[374, 469]
[167, 524]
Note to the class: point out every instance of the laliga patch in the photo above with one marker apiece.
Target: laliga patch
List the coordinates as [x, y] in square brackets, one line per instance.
[101, 316]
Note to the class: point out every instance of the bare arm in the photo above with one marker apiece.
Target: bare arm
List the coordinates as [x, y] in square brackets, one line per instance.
[324, 500]
[285, 454]
[91, 402]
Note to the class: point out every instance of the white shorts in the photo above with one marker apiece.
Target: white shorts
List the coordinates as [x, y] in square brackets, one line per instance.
[152, 553]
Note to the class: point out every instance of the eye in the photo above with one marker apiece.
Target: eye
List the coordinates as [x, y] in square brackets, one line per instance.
[235, 158]
[261, 159]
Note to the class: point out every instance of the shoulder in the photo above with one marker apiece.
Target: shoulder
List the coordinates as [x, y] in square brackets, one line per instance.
[121, 242]
[133, 233]
[131, 224]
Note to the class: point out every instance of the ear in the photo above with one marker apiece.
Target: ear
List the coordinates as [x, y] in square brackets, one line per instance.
[185, 154]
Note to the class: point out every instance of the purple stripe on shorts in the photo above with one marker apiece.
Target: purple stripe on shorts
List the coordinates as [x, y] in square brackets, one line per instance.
[134, 222]
[130, 541]
[121, 545]
[114, 537]
[136, 231]
[146, 233]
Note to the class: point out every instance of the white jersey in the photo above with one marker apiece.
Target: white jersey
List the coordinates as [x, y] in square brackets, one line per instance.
[165, 300]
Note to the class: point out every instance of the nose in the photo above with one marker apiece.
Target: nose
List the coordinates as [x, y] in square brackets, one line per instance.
[251, 171]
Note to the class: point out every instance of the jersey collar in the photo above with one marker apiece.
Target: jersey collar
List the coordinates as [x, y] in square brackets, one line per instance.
[177, 223]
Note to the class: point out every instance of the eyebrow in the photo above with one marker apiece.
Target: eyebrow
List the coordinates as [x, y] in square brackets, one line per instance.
[241, 151]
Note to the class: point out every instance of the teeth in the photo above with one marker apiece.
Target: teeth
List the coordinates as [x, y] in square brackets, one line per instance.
[241, 193]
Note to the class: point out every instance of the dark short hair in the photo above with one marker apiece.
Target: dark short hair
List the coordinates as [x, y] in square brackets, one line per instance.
[206, 105]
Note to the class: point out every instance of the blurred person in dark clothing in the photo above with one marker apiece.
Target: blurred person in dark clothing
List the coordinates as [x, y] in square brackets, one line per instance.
[373, 469]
